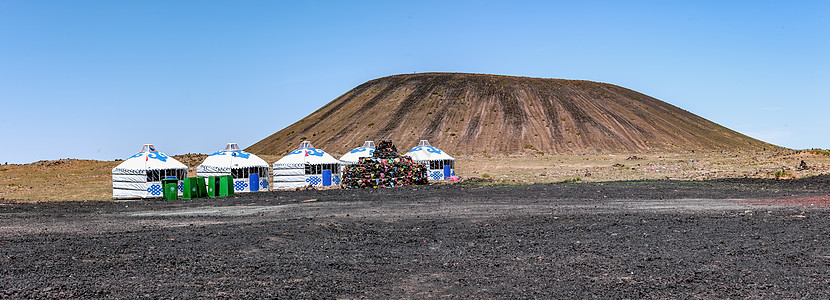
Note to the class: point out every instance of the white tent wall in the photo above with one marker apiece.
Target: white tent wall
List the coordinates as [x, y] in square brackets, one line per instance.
[289, 176]
[241, 177]
[126, 186]
[129, 183]
[435, 168]
[434, 159]
[249, 172]
[140, 175]
[305, 166]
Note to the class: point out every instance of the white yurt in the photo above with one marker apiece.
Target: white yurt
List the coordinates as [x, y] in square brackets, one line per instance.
[440, 165]
[354, 156]
[306, 166]
[249, 172]
[140, 175]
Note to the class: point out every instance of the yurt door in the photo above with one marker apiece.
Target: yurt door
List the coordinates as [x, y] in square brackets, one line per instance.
[254, 182]
[326, 177]
[447, 171]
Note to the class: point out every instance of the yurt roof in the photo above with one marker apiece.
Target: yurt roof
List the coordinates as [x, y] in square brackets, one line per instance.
[149, 159]
[364, 151]
[307, 154]
[233, 157]
[424, 151]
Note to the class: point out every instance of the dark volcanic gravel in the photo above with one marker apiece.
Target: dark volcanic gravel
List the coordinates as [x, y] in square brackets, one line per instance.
[645, 239]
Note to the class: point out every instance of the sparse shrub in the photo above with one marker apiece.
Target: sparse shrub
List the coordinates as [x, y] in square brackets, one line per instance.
[782, 173]
[485, 175]
[820, 152]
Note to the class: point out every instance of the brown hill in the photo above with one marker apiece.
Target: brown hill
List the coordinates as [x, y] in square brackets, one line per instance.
[472, 113]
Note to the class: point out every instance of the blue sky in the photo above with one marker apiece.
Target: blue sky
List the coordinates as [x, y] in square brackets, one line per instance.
[97, 79]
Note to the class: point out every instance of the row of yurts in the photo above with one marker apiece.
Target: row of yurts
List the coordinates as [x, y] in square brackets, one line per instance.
[140, 175]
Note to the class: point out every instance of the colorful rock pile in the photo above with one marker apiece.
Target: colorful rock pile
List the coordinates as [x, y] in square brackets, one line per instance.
[385, 169]
[386, 149]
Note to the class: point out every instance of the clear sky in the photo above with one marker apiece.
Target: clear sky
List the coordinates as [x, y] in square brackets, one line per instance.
[97, 79]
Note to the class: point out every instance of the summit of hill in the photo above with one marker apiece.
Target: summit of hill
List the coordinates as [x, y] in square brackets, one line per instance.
[477, 113]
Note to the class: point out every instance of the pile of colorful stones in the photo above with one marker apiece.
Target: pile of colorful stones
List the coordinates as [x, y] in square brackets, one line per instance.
[385, 169]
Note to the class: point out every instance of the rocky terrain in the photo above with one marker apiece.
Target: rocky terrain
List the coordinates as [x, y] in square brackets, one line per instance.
[477, 114]
[726, 238]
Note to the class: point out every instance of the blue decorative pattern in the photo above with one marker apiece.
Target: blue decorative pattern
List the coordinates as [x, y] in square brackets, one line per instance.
[181, 186]
[312, 151]
[157, 155]
[335, 180]
[314, 180]
[263, 185]
[240, 185]
[238, 153]
[428, 148]
[436, 175]
[362, 149]
[154, 190]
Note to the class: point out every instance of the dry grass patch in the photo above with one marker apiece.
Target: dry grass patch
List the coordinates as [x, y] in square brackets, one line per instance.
[81, 180]
[65, 179]
[640, 166]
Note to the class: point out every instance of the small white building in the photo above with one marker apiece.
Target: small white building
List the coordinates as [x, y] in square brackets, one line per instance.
[306, 166]
[249, 172]
[354, 156]
[140, 175]
[440, 165]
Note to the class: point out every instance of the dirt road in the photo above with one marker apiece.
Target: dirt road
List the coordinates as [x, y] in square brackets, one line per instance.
[733, 238]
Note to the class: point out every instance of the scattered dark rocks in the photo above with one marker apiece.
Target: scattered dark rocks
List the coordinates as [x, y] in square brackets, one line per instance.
[618, 165]
[53, 163]
[484, 180]
[803, 166]
[634, 158]
[606, 240]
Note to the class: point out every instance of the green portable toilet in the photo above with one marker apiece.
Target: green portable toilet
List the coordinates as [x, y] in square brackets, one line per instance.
[212, 186]
[226, 185]
[200, 184]
[194, 188]
[220, 186]
[170, 188]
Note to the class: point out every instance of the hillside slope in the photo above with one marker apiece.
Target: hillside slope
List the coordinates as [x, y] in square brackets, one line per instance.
[475, 113]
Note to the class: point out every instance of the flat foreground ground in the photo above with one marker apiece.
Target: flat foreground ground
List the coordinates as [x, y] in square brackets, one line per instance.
[731, 238]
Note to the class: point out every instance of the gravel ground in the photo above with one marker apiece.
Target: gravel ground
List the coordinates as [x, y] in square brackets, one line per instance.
[732, 238]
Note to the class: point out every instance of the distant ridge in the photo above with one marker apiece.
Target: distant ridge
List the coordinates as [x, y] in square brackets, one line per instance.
[476, 113]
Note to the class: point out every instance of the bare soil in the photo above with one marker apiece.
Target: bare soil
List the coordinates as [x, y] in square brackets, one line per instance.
[477, 113]
[725, 238]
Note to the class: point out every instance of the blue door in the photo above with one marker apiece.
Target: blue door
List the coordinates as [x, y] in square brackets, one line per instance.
[254, 182]
[447, 172]
[326, 177]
